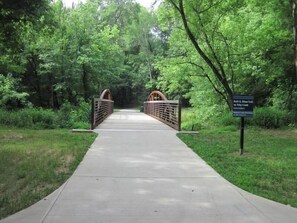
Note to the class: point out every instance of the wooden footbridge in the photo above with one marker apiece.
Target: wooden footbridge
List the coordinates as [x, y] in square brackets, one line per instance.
[156, 106]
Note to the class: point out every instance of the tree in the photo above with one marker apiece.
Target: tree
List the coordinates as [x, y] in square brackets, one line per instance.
[14, 14]
[213, 63]
[65, 54]
[242, 48]
[140, 47]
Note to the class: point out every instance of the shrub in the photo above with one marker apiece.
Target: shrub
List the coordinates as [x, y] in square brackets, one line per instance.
[7, 118]
[265, 117]
[190, 120]
[227, 119]
[29, 118]
[14, 118]
[63, 115]
[42, 118]
[268, 117]
[70, 116]
[81, 113]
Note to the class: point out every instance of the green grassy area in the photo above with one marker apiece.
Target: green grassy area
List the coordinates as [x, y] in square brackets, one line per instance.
[33, 163]
[268, 167]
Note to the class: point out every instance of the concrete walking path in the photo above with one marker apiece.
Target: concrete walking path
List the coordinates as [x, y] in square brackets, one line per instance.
[138, 171]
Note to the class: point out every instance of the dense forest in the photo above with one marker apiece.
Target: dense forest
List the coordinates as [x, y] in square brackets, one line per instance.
[202, 52]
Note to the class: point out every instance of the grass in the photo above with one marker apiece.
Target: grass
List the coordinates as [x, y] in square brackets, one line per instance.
[33, 163]
[267, 168]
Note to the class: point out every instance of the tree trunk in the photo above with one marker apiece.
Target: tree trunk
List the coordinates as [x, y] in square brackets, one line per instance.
[294, 15]
[85, 80]
[36, 78]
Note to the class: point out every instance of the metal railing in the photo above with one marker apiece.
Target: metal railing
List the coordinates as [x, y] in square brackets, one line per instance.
[166, 111]
[101, 109]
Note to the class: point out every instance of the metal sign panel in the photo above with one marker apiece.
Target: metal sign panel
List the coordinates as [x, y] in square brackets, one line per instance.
[243, 106]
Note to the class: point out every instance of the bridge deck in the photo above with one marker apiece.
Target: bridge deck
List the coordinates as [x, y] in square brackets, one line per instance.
[138, 171]
[131, 120]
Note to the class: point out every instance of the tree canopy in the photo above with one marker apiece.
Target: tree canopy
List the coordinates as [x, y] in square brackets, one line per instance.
[203, 52]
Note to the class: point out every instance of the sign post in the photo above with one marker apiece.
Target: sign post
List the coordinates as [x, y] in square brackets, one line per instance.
[241, 135]
[242, 107]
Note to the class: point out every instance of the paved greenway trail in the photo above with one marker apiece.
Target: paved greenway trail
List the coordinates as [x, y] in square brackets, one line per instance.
[138, 171]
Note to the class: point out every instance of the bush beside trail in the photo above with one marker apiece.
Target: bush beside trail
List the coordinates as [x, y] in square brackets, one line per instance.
[68, 116]
[264, 117]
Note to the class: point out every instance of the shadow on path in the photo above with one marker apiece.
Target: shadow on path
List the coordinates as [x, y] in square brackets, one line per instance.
[137, 171]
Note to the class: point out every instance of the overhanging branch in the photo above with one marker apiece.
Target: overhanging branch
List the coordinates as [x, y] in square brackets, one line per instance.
[215, 70]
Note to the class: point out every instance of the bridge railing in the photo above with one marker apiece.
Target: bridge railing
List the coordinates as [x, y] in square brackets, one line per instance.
[166, 111]
[101, 109]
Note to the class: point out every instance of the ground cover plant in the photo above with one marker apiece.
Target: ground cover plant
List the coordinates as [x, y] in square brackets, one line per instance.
[268, 166]
[33, 163]
[68, 116]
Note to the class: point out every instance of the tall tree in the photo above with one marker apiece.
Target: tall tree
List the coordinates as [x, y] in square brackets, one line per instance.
[214, 63]
[242, 48]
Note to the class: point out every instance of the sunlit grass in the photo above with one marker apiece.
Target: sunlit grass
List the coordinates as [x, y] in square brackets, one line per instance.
[33, 163]
[267, 168]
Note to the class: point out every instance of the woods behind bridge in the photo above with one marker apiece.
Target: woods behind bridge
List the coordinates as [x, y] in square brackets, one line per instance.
[202, 52]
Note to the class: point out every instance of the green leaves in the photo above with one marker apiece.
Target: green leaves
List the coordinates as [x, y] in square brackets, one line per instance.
[248, 44]
[9, 93]
[214, 48]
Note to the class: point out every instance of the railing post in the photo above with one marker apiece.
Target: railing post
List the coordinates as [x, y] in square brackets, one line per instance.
[179, 115]
[93, 113]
